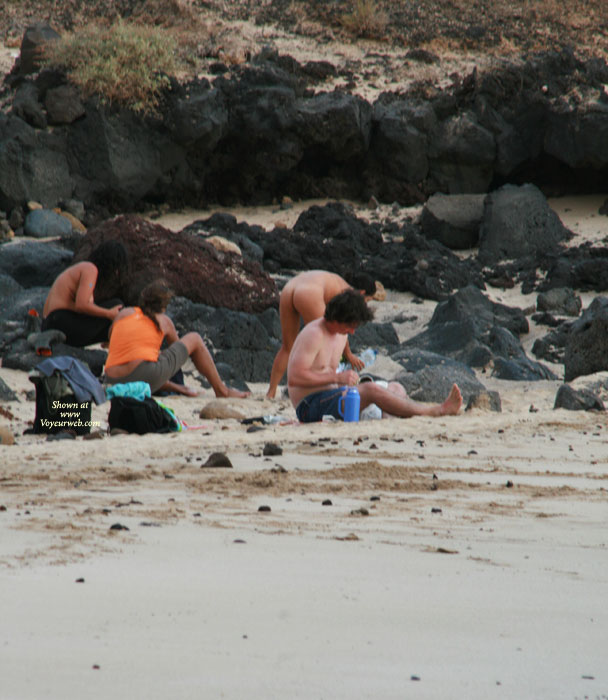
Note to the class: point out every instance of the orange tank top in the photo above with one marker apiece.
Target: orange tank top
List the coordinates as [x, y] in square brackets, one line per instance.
[134, 337]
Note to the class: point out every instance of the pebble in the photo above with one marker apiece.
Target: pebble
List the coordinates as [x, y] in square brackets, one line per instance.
[271, 449]
[217, 459]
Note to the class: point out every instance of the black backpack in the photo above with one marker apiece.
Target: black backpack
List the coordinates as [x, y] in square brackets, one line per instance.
[140, 416]
[57, 408]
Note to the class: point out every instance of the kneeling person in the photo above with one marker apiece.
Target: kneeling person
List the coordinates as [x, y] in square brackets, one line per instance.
[317, 389]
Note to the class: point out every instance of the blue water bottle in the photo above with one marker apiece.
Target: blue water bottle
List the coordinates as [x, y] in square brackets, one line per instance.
[352, 401]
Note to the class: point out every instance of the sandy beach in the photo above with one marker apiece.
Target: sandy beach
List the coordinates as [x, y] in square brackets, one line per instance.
[459, 557]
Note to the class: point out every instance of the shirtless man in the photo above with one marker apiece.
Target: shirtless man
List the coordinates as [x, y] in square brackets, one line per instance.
[70, 306]
[306, 295]
[316, 389]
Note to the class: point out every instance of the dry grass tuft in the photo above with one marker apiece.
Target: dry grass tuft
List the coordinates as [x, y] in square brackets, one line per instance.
[366, 20]
[125, 64]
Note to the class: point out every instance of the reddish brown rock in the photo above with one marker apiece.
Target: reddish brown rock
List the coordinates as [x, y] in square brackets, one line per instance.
[193, 268]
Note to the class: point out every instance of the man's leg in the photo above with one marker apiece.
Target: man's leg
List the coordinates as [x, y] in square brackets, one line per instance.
[403, 406]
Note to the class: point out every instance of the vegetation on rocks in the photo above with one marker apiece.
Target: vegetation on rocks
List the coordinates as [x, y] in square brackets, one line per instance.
[125, 64]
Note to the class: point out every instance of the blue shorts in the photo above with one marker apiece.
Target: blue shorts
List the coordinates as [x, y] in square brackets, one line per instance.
[313, 407]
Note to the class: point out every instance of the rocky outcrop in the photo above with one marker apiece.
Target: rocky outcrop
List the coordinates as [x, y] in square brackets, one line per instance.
[518, 222]
[585, 350]
[258, 132]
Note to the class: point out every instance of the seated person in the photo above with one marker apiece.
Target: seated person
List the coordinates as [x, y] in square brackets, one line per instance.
[305, 296]
[317, 389]
[71, 306]
[136, 336]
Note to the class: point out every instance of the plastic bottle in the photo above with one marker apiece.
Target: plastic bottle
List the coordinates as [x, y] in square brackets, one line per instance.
[368, 356]
[352, 402]
[271, 420]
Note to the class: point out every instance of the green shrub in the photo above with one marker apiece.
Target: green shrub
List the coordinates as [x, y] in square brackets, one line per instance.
[124, 64]
[365, 20]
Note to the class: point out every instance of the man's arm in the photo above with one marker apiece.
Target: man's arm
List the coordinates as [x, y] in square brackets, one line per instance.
[355, 362]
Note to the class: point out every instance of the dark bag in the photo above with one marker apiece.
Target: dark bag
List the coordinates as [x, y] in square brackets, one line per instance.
[57, 408]
[140, 416]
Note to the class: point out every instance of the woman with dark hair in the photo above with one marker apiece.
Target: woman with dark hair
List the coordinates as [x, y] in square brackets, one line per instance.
[136, 336]
[79, 304]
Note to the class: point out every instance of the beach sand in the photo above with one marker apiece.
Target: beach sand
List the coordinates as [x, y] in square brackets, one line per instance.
[459, 557]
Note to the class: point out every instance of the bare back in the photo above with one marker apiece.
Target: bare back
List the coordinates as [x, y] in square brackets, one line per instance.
[309, 293]
[73, 288]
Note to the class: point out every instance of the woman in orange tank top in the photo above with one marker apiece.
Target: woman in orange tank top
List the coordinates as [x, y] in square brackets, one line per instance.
[136, 336]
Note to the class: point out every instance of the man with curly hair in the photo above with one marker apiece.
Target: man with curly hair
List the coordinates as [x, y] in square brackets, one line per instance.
[317, 389]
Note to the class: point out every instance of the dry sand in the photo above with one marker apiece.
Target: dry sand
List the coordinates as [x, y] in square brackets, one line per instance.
[462, 557]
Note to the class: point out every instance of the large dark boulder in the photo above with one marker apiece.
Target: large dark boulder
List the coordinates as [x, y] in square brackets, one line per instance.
[583, 267]
[579, 137]
[434, 382]
[33, 165]
[471, 329]
[330, 238]
[461, 156]
[422, 266]
[471, 304]
[242, 341]
[399, 139]
[453, 220]
[577, 399]
[193, 268]
[560, 300]
[551, 347]
[33, 263]
[587, 340]
[26, 106]
[510, 360]
[334, 125]
[45, 223]
[63, 104]
[197, 118]
[517, 221]
[118, 157]
[374, 335]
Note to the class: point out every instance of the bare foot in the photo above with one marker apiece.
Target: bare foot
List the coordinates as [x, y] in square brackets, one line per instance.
[233, 394]
[179, 389]
[187, 391]
[452, 404]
